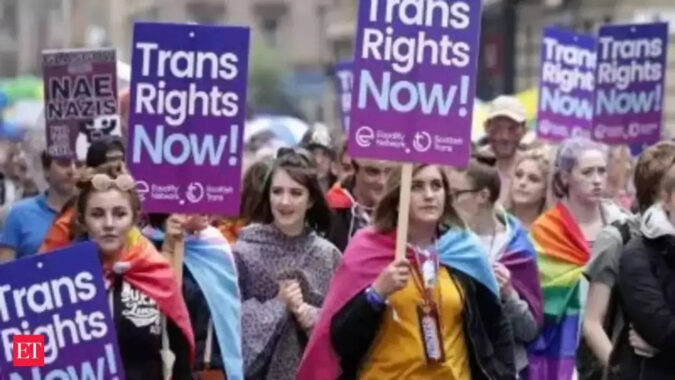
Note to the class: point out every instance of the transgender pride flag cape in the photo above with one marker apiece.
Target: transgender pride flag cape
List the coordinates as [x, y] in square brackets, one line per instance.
[209, 259]
[562, 254]
[520, 258]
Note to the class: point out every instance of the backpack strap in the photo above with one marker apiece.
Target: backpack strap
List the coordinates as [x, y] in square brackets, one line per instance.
[624, 230]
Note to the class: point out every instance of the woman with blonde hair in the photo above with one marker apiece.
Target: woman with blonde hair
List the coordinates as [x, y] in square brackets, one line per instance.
[529, 188]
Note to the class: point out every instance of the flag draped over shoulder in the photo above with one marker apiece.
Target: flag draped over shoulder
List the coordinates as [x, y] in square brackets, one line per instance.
[562, 254]
[368, 254]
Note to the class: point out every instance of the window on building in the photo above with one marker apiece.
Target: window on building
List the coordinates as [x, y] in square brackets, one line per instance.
[270, 30]
[270, 18]
[207, 13]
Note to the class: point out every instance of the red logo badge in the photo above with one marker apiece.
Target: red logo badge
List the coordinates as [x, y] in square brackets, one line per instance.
[29, 350]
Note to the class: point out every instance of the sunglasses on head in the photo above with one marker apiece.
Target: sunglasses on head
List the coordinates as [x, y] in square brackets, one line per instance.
[103, 182]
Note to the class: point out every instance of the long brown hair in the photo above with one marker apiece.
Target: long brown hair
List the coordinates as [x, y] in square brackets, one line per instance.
[385, 217]
[299, 166]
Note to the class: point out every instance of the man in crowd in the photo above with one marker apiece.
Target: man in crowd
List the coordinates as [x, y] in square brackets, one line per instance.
[30, 219]
[354, 200]
[505, 128]
[318, 141]
[343, 167]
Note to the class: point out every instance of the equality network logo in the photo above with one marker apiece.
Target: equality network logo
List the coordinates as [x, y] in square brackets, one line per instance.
[28, 350]
[365, 136]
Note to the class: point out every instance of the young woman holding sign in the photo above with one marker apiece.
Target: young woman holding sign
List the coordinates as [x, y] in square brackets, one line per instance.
[152, 322]
[563, 237]
[509, 251]
[284, 268]
[434, 314]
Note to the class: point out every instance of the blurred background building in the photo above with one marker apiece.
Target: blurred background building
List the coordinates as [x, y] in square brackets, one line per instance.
[296, 42]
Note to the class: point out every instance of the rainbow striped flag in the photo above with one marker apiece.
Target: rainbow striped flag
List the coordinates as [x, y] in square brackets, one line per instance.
[562, 254]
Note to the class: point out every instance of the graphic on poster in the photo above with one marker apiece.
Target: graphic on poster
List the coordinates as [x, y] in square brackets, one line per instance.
[630, 80]
[60, 295]
[188, 104]
[80, 92]
[414, 80]
[566, 85]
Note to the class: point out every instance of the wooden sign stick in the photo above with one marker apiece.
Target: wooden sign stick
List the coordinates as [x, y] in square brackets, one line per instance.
[177, 261]
[403, 211]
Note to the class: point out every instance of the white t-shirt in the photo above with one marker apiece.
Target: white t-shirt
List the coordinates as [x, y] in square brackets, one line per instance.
[495, 245]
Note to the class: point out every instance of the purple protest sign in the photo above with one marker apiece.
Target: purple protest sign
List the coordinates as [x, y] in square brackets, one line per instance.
[344, 83]
[566, 79]
[60, 295]
[186, 125]
[80, 87]
[629, 84]
[415, 80]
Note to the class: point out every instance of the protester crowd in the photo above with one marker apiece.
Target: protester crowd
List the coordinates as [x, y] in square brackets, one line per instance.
[533, 262]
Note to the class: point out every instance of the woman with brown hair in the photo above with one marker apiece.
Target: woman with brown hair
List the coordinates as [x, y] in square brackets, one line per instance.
[152, 323]
[284, 268]
[433, 314]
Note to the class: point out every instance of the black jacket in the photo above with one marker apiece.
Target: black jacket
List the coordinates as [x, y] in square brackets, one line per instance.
[345, 221]
[647, 295]
[489, 343]
[139, 335]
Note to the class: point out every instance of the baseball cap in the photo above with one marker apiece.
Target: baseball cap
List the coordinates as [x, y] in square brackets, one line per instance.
[319, 137]
[507, 106]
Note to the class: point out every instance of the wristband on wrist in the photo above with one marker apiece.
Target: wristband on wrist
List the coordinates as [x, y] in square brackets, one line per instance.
[374, 298]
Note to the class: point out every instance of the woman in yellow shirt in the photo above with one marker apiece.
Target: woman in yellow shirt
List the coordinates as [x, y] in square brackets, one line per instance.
[433, 315]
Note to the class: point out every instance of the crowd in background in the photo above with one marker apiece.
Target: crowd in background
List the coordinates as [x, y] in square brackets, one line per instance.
[533, 262]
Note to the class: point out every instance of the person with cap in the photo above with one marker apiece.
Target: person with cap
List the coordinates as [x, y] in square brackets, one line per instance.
[319, 143]
[505, 128]
[108, 151]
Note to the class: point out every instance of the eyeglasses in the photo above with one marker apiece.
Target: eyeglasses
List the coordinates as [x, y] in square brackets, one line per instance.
[103, 182]
[456, 193]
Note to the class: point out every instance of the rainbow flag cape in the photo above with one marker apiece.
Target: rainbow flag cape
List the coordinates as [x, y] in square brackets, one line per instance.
[562, 254]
